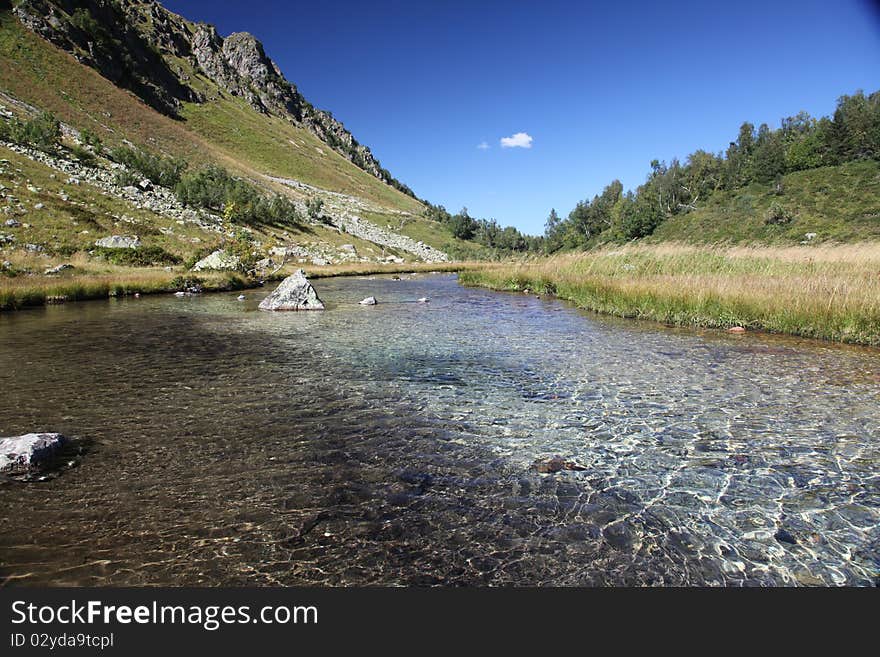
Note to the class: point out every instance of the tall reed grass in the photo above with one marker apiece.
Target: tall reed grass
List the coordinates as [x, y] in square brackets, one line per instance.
[829, 292]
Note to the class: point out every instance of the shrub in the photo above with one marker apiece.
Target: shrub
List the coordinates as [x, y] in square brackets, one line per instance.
[158, 169]
[777, 215]
[42, 131]
[85, 156]
[143, 256]
[82, 19]
[186, 283]
[215, 189]
[91, 140]
[125, 178]
[314, 206]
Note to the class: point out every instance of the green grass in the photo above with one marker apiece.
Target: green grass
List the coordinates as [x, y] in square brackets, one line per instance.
[66, 227]
[827, 292]
[839, 204]
[277, 148]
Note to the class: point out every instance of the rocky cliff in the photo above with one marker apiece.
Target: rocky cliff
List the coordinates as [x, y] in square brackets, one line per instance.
[156, 54]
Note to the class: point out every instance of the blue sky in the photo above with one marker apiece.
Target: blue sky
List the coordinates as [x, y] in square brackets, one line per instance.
[600, 88]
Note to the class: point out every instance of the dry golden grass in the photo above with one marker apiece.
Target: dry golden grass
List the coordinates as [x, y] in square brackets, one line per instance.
[34, 290]
[368, 268]
[830, 292]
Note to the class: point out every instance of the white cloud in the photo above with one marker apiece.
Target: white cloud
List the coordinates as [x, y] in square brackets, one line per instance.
[483, 146]
[519, 140]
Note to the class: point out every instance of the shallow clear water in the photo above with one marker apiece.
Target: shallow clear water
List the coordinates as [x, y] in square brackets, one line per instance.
[395, 445]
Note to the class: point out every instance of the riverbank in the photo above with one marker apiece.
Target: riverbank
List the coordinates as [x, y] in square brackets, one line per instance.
[826, 292]
[32, 290]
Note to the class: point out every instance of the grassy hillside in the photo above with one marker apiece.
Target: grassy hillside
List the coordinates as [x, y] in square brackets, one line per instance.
[837, 203]
[224, 130]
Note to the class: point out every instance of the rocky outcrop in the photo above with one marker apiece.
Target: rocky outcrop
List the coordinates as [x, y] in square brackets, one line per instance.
[107, 37]
[29, 452]
[119, 242]
[220, 260]
[294, 293]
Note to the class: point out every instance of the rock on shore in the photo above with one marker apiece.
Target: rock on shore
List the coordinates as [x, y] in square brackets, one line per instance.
[294, 293]
[218, 260]
[119, 242]
[29, 452]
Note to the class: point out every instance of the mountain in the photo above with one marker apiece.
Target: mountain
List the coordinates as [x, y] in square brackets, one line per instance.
[160, 56]
[130, 74]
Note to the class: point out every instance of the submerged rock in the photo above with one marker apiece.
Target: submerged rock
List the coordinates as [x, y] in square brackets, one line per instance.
[556, 464]
[294, 293]
[29, 452]
[220, 259]
[119, 242]
[736, 329]
[369, 301]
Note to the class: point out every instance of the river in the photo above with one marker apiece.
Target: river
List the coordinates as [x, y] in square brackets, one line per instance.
[396, 445]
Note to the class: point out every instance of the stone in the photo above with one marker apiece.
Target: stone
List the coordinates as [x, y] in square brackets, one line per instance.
[219, 260]
[145, 185]
[348, 247]
[556, 464]
[119, 242]
[369, 301]
[57, 269]
[30, 451]
[424, 300]
[736, 329]
[38, 206]
[294, 293]
[784, 536]
[12, 223]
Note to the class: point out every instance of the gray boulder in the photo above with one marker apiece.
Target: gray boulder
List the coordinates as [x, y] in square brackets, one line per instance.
[294, 293]
[28, 452]
[57, 269]
[218, 260]
[119, 242]
[369, 301]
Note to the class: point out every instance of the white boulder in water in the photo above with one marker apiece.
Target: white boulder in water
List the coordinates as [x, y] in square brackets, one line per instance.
[369, 301]
[424, 300]
[29, 451]
[294, 293]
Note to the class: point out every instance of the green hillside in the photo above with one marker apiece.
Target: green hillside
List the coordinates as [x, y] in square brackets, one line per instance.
[226, 130]
[832, 204]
